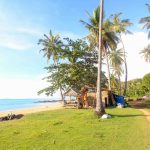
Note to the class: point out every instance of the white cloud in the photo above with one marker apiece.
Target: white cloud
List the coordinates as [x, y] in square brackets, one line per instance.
[30, 31]
[137, 67]
[134, 43]
[23, 88]
[12, 42]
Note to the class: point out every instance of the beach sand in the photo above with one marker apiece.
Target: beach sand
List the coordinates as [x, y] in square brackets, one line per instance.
[31, 110]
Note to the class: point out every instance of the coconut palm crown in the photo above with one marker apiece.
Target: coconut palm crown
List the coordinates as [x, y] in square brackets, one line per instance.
[51, 46]
[146, 53]
[146, 21]
[109, 38]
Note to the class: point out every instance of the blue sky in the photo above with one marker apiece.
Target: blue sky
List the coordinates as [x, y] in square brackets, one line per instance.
[23, 22]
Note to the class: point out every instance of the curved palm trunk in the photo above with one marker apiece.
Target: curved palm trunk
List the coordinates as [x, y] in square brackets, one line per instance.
[99, 105]
[126, 69]
[60, 88]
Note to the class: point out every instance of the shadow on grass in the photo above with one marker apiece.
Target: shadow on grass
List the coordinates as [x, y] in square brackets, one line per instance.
[122, 116]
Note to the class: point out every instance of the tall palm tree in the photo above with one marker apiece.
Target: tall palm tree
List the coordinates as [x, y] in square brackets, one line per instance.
[95, 37]
[120, 26]
[146, 21]
[99, 105]
[116, 60]
[146, 53]
[51, 47]
[109, 38]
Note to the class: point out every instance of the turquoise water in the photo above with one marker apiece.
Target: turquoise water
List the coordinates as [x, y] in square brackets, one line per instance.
[11, 104]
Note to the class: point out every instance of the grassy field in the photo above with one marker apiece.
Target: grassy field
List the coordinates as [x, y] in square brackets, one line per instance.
[71, 129]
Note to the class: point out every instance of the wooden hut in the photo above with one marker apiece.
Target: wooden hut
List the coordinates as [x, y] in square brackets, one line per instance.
[106, 97]
[72, 94]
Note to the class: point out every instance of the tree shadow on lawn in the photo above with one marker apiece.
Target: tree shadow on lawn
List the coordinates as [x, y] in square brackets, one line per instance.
[122, 116]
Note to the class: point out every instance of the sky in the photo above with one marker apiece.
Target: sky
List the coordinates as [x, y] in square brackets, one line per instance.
[23, 23]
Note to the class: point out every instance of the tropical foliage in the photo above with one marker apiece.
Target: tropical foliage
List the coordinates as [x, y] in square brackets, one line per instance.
[146, 53]
[139, 87]
[51, 46]
[101, 37]
[146, 21]
[75, 69]
[120, 26]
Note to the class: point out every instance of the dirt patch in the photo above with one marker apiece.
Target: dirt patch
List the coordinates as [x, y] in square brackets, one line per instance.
[146, 113]
[142, 105]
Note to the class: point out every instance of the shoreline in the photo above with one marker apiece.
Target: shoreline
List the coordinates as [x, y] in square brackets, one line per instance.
[31, 110]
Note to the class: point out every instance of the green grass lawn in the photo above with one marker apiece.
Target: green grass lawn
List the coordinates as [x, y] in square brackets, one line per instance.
[72, 129]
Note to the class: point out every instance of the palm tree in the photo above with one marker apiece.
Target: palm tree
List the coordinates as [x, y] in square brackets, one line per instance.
[99, 105]
[51, 47]
[146, 53]
[95, 27]
[115, 83]
[109, 38]
[146, 21]
[116, 60]
[120, 26]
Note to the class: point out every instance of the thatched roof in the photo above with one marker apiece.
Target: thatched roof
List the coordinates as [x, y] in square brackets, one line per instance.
[71, 92]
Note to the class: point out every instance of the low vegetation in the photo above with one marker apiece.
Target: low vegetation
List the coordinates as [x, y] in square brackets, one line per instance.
[77, 129]
[139, 87]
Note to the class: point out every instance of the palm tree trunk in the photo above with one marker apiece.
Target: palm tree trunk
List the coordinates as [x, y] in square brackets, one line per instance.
[120, 90]
[62, 96]
[60, 88]
[109, 80]
[99, 105]
[108, 70]
[126, 69]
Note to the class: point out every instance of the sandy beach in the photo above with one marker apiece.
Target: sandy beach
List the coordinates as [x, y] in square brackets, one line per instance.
[31, 110]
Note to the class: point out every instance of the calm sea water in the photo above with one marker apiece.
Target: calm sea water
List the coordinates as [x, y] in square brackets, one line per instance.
[11, 104]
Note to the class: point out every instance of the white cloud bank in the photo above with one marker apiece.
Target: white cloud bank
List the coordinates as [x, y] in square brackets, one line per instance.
[134, 43]
[23, 88]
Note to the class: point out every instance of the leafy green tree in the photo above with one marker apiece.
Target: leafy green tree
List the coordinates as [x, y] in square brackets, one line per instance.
[51, 47]
[138, 87]
[76, 71]
[146, 21]
[120, 27]
[146, 83]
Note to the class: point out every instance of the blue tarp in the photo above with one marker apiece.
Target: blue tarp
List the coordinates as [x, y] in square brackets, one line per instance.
[119, 99]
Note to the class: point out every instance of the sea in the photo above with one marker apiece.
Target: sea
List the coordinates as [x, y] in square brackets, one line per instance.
[13, 104]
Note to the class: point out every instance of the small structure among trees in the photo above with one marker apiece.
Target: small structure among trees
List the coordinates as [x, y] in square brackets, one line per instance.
[86, 97]
[71, 93]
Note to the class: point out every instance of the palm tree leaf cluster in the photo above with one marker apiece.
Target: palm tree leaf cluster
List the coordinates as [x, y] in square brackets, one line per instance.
[112, 29]
[146, 53]
[146, 21]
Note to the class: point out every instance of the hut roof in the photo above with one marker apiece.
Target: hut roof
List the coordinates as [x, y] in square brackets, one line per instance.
[71, 92]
